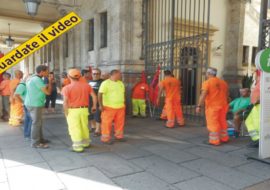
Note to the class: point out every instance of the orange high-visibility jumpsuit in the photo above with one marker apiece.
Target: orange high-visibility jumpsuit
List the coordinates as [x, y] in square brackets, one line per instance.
[216, 107]
[16, 105]
[113, 97]
[163, 115]
[173, 105]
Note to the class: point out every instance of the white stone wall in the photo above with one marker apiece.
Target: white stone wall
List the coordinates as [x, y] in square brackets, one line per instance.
[251, 30]
[218, 19]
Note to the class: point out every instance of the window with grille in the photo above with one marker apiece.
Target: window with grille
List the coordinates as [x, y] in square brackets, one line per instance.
[245, 55]
[254, 52]
[91, 35]
[103, 30]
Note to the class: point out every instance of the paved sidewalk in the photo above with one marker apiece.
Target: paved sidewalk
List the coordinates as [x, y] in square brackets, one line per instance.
[153, 158]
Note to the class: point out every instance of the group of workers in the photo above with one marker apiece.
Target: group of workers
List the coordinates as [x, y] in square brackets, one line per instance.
[101, 100]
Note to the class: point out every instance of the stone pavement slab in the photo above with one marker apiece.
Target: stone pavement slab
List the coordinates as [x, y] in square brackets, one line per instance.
[33, 177]
[217, 156]
[152, 158]
[3, 176]
[4, 186]
[9, 142]
[89, 178]
[202, 183]
[21, 156]
[257, 169]
[170, 153]
[63, 160]
[143, 181]
[164, 169]
[261, 186]
[228, 176]
[9, 131]
[128, 151]
[112, 165]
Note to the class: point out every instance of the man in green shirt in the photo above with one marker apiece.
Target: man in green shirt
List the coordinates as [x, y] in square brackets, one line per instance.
[35, 101]
[238, 106]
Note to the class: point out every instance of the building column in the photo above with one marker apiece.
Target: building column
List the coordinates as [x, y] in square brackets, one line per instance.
[234, 45]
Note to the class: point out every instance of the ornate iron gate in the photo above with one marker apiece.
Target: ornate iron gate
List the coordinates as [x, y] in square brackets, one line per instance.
[176, 37]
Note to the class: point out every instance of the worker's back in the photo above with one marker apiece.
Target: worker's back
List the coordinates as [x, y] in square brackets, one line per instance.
[217, 92]
[172, 87]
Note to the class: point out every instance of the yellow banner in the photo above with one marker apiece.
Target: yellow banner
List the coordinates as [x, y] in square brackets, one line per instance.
[39, 40]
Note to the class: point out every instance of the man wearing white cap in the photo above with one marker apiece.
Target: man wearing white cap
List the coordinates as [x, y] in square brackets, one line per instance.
[215, 96]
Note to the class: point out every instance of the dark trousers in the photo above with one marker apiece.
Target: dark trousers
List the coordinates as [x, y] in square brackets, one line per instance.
[51, 99]
[27, 123]
[36, 127]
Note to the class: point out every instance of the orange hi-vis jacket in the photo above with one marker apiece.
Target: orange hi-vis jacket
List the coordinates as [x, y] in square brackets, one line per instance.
[139, 91]
[217, 92]
[172, 88]
[13, 84]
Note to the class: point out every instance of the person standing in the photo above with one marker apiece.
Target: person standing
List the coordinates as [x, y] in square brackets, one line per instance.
[253, 119]
[85, 76]
[95, 118]
[76, 100]
[172, 88]
[65, 79]
[51, 99]
[35, 101]
[20, 94]
[215, 95]
[5, 93]
[111, 98]
[16, 105]
[140, 92]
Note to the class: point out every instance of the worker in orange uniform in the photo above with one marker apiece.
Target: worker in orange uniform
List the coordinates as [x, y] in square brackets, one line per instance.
[5, 93]
[65, 80]
[111, 98]
[16, 105]
[215, 95]
[172, 88]
[139, 94]
[76, 99]
[85, 76]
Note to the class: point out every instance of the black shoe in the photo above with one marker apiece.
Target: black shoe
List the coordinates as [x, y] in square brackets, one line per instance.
[253, 144]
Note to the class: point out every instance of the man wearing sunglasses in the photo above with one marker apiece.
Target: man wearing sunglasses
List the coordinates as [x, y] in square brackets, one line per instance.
[95, 118]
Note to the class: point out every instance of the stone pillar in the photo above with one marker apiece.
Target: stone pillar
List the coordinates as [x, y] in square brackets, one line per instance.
[56, 56]
[234, 45]
[62, 63]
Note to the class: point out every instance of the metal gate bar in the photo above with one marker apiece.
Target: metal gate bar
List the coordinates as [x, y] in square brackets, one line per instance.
[176, 37]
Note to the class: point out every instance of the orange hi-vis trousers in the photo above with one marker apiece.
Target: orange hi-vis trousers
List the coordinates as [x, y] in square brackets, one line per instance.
[217, 124]
[174, 111]
[163, 115]
[16, 113]
[108, 117]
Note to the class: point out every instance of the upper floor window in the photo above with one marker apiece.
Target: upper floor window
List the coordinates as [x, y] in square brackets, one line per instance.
[91, 35]
[103, 30]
